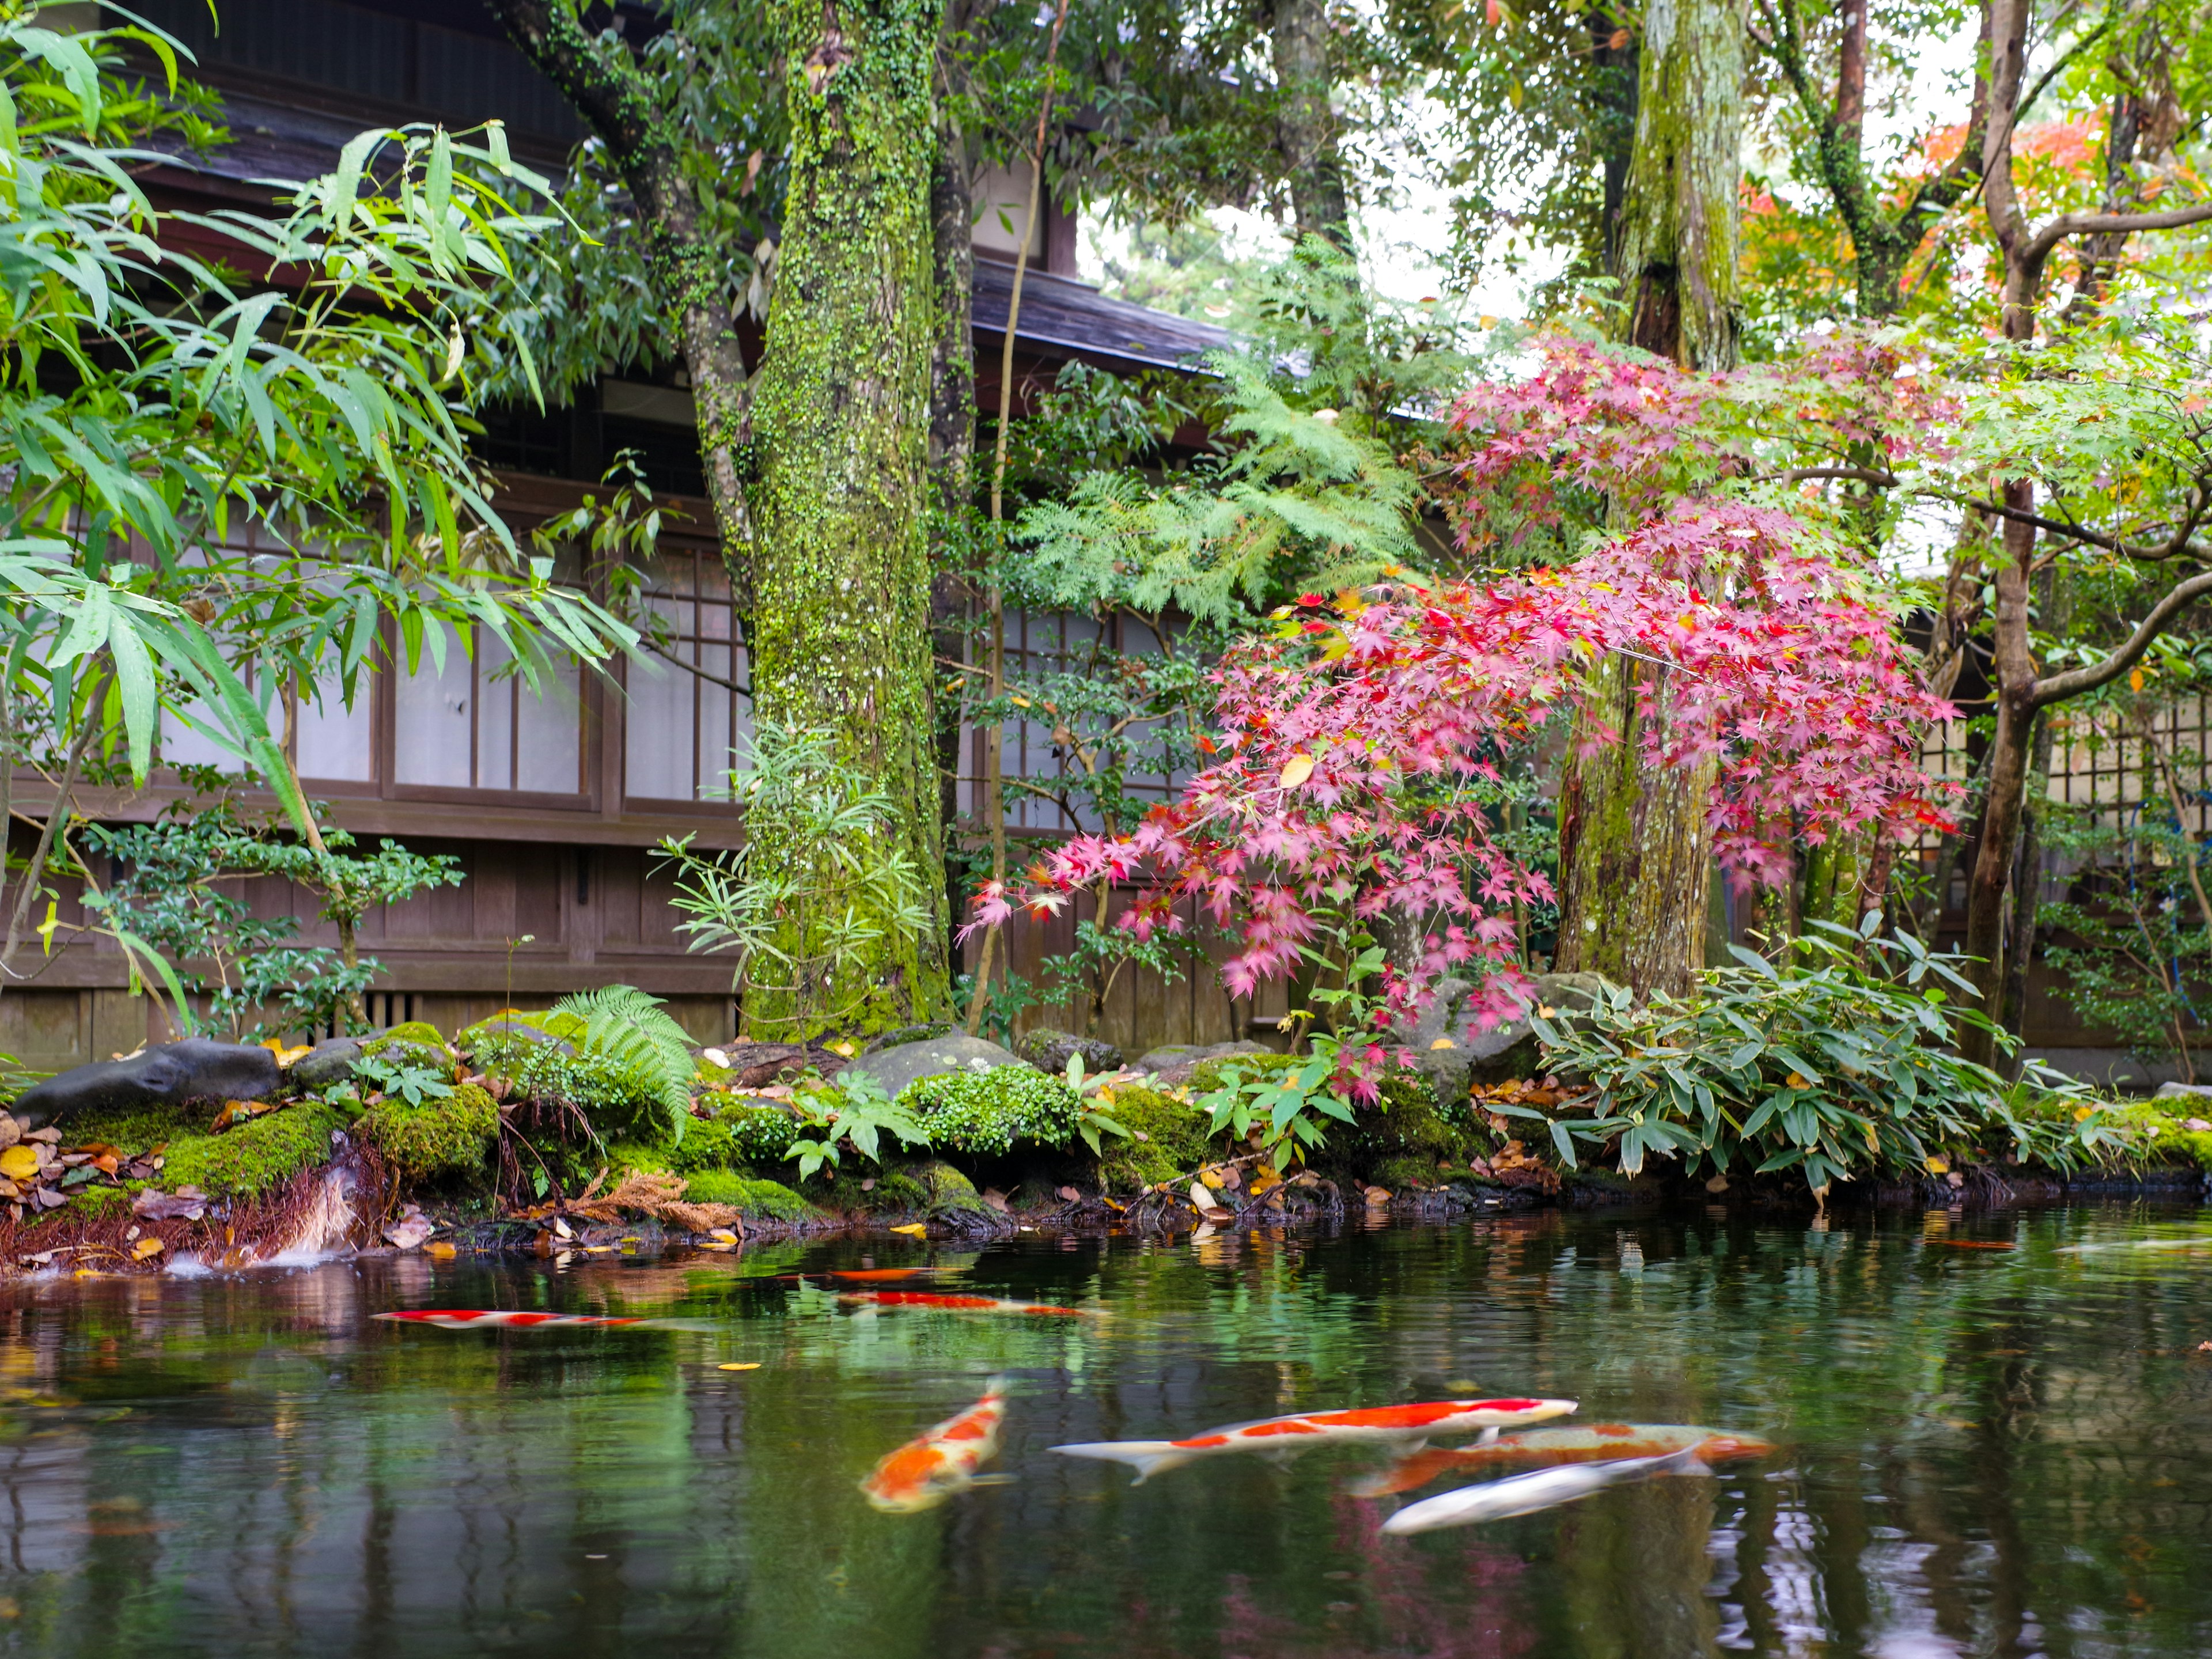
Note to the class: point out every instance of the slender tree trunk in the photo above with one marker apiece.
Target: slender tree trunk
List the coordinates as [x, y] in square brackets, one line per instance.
[1306, 125]
[2026, 883]
[2009, 762]
[840, 425]
[1635, 852]
[1613, 97]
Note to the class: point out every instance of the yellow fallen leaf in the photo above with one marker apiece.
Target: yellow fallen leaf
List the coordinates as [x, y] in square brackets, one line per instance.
[146, 1246]
[1212, 1178]
[19, 1163]
[912, 1230]
[740, 1366]
[1938, 1165]
[443, 1251]
[1295, 771]
[1443, 1042]
[1799, 1080]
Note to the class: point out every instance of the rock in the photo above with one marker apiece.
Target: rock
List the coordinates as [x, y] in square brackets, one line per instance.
[895, 1067]
[325, 1064]
[756, 1065]
[1173, 1064]
[1507, 1049]
[901, 1036]
[194, 1069]
[1050, 1051]
[2182, 1090]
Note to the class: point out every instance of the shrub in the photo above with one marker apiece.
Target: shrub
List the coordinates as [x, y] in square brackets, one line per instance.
[437, 1137]
[989, 1112]
[1820, 1065]
[739, 1134]
[613, 1053]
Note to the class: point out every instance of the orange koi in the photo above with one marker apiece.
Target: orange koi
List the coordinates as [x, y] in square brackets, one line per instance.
[1596, 1443]
[940, 1461]
[1386, 1425]
[471, 1319]
[1967, 1244]
[877, 1275]
[941, 1304]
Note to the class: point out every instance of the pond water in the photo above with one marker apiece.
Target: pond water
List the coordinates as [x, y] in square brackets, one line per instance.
[1979, 1451]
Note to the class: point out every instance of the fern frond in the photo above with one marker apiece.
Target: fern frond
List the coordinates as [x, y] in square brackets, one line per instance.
[633, 1030]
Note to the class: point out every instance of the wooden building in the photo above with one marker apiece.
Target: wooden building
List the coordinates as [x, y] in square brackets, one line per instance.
[552, 805]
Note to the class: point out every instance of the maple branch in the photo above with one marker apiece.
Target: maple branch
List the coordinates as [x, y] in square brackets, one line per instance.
[2040, 244]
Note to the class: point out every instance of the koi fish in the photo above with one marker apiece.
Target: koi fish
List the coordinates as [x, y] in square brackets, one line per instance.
[931, 1299]
[941, 1461]
[877, 1275]
[1597, 1442]
[1526, 1494]
[1966, 1244]
[471, 1319]
[1297, 1432]
[2188, 1244]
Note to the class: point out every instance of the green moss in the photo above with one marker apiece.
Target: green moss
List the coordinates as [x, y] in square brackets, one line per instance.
[413, 1043]
[988, 1112]
[1174, 1141]
[737, 1133]
[949, 1192]
[2155, 1131]
[645, 1157]
[257, 1157]
[87, 1202]
[443, 1135]
[766, 1200]
[139, 1128]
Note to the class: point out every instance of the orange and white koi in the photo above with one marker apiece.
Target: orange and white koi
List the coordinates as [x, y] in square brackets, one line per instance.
[1592, 1443]
[475, 1319]
[935, 1302]
[1302, 1431]
[941, 1461]
[1527, 1494]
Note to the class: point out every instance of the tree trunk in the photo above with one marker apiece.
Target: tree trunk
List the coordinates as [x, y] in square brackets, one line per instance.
[841, 424]
[1613, 100]
[1635, 851]
[1679, 219]
[2007, 771]
[1306, 125]
[2027, 882]
[1636, 858]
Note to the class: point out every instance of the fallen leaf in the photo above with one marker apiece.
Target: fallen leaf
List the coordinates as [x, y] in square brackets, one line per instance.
[995, 1199]
[19, 1163]
[411, 1230]
[1938, 1165]
[146, 1249]
[869, 1185]
[1378, 1195]
[715, 1057]
[1071, 1194]
[2196, 1126]
[46, 1137]
[1296, 771]
[185, 1203]
[1201, 1198]
[1443, 1042]
[443, 1251]
[912, 1230]
[740, 1366]
[1799, 1080]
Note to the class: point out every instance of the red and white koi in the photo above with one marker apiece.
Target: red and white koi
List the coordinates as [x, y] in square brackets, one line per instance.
[484, 1319]
[1301, 1431]
[1592, 1443]
[1526, 1494]
[940, 1461]
[935, 1302]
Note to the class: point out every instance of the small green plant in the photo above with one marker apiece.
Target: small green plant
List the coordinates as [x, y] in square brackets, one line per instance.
[987, 1113]
[789, 940]
[1095, 1120]
[1280, 1102]
[632, 1032]
[1837, 1063]
[399, 1076]
[852, 1111]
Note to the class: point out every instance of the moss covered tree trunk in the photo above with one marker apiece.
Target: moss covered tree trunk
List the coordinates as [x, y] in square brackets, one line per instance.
[1635, 853]
[1306, 125]
[840, 428]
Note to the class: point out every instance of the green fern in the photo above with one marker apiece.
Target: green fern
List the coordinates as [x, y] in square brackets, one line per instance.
[631, 1031]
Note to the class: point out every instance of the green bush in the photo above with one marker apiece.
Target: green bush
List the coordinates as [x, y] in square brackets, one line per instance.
[441, 1136]
[739, 1134]
[1821, 1064]
[256, 1157]
[612, 1053]
[986, 1113]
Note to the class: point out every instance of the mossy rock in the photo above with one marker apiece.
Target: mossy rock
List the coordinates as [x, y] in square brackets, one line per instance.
[760, 1200]
[2157, 1135]
[894, 1191]
[446, 1134]
[1050, 1050]
[988, 1112]
[642, 1156]
[740, 1133]
[413, 1043]
[909, 1034]
[949, 1192]
[256, 1157]
[141, 1128]
[1175, 1138]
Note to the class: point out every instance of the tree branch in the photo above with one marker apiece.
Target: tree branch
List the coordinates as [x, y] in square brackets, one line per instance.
[2057, 688]
[2040, 244]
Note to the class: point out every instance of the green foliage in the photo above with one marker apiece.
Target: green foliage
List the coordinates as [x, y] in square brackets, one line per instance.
[1823, 1065]
[631, 1035]
[258, 1155]
[175, 890]
[857, 884]
[400, 1073]
[540, 1070]
[987, 1113]
[1278, 1104]
[425, 1139]
[852, 1112]
[740, 1133]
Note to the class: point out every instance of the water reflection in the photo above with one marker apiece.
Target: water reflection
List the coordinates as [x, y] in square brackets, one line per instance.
[1982, 1452]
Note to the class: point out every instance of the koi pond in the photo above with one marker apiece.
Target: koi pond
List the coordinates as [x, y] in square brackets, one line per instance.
[1991, 1435]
